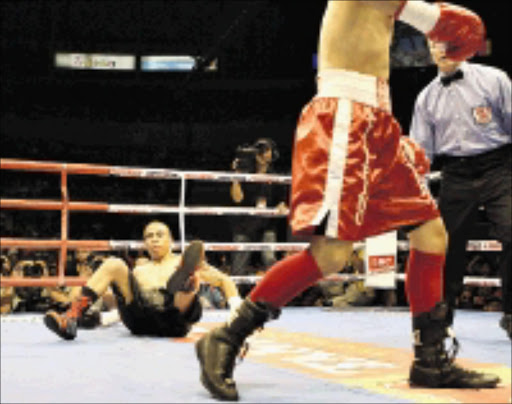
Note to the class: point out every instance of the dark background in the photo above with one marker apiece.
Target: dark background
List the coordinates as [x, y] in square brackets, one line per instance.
[181, 120]
[191, 121]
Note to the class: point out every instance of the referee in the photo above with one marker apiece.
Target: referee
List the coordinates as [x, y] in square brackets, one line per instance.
[463, 119]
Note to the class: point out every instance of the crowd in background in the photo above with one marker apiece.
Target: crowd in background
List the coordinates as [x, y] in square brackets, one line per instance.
[46, 224]
[338, 294]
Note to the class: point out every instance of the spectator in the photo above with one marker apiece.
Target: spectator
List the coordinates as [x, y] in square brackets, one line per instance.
[6, 293]
[354, 292]
[30, 298]
[257, 159]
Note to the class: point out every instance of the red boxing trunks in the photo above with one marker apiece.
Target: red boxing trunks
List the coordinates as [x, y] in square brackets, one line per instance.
[350, 168]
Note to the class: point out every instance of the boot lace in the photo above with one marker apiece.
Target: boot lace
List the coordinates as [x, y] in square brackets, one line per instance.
[228, 363]
[447, 356]
[77, 307]
[243, 352]
[452, 352]
[235, 357]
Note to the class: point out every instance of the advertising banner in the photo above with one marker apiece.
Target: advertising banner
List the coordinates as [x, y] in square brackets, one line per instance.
[381, 261]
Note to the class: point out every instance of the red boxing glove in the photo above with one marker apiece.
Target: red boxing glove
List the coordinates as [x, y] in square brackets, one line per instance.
[461, 29]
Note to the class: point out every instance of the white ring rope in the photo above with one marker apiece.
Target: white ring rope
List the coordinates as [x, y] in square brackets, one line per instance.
[221, 176]
[197, 210]
[468, 280]
[182, 210]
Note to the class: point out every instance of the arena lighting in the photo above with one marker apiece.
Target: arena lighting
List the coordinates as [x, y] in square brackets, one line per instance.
[171, 63]
[94, 61]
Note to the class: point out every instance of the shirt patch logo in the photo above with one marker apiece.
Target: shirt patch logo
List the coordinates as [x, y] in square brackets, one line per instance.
[482, 115]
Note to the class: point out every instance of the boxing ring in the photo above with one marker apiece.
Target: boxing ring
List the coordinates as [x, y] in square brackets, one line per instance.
[66, 206]
[312, 354]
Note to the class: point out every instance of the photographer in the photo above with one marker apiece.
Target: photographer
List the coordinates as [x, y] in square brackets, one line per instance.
[257, 159]
[6, 293]
[84, 263]
[30, 298]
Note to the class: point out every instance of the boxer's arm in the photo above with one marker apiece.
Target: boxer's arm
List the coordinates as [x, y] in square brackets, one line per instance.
[461, 29]
[387, 7]
[215, 277]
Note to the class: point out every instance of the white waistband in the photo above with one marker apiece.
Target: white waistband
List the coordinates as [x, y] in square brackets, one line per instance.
[363, 88]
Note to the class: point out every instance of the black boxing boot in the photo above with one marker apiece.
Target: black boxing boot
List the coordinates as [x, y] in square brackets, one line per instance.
[217, 350]
[190, 262]
[65, 325]
[433, 365]
[89, 319]
[506, 324]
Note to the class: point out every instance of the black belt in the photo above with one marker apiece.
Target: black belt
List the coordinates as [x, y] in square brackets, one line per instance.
[496, 154]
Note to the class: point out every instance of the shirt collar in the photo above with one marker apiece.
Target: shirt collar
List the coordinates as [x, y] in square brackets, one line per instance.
[463, 67]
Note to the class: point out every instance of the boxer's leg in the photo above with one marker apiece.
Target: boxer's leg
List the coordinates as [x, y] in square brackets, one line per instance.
[112, 270]
[217, 351]
[424, 282]
[433, 365]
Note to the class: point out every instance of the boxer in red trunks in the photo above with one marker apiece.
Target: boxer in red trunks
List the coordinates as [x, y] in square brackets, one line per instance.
[353, 176]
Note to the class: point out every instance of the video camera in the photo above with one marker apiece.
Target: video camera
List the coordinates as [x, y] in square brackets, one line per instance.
[33, 270]
[246, 154]
[30, 296]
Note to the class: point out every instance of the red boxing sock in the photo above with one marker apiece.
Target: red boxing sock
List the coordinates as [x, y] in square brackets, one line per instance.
[286, 279]
[424, 281]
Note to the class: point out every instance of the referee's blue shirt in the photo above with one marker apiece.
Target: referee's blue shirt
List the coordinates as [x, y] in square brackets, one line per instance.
[468, 117]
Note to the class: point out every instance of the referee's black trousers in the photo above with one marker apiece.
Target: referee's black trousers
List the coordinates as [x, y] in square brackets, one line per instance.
[468, 183]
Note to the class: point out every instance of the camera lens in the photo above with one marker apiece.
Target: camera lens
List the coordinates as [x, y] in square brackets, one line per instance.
[33, 271]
